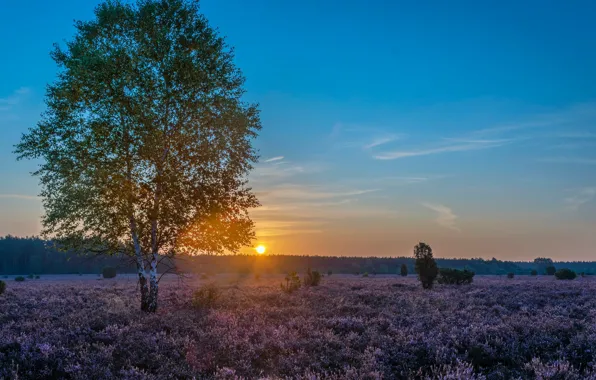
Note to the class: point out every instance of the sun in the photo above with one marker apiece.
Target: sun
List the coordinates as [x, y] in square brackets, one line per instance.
[260, 249]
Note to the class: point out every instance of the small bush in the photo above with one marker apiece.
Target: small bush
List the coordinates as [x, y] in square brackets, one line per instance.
[2, 287]
[551, 270]
[565, 274]
[206, 296]
[37, 277]
[31, 277]
[582, 274]
[404, 270]
[292, 283]
[510, 275]
[19, 279]
[109, 272]
[534, 272]
[312, 278]
[365, 274]
[455, 276]
[426, 266]
[329, 273]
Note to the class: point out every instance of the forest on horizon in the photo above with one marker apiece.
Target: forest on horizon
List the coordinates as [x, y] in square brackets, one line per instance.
[33, 255]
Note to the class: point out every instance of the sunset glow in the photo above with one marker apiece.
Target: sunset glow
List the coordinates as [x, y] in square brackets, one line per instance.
[260, 249]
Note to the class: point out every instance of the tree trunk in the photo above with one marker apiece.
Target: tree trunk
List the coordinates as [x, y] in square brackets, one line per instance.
[140, 267]
[153, 292]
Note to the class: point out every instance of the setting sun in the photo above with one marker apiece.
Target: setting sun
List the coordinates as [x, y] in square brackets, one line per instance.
[260, 249]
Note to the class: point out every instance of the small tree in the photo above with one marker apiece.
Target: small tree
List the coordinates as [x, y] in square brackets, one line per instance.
[109, 272]
[510, 275]
[2, 287]
[455, 276]
[292, 283]
[534, 272]
[426, 267]
[565, 274]
[551, 270]
[312, 278]
[404, 270]
[146, 142]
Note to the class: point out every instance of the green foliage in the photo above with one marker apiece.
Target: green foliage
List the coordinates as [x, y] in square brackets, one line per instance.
[565, 274]
[146, 141]
[31, 276]
[404, 270]
[2, 287]
[425, 266]
[510, 275]
[109, 272]
[19, 279]
[206, 296]
[534, 272]
[292, 282]
[455, 276]
[365, 274]
[551, 270]
[312, 278]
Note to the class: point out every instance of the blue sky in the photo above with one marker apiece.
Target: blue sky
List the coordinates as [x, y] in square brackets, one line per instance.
[470, 125]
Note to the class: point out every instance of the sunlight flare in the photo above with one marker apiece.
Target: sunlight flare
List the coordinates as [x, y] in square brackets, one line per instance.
[260, 249]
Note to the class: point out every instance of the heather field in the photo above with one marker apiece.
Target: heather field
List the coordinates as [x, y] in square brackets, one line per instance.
[349, 327]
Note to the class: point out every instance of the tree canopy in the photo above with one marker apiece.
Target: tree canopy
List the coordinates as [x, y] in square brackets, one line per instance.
[146, 142]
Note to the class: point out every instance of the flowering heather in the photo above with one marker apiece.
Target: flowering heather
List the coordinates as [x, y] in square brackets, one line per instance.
[347, 328]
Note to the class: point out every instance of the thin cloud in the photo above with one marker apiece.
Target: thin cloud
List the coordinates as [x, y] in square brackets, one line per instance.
[14, 98]
[581, 197]
[445, 217]
[273, 159]
[297, 192]
[380, 141]
[569, 160]
[19, 196]
[465, 145]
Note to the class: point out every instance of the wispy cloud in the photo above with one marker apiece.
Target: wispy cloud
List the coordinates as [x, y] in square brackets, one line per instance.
[13, 99]
[454, 146]
[19, 196]
[445, 217]
[581, 197]
[569, 160]
[273, 159]
[299, 192]
[380, 141]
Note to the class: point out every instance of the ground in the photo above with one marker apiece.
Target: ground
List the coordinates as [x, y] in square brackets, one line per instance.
[349, 327]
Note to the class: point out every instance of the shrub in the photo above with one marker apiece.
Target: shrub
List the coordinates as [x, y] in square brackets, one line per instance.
[292, 283]
[109, 272]
[2, 287]
[206, 296]
[37, 277]
[312, 278]
[565, 274]
[404, 270]
[329, 272]
[534, 272]
[19, 279]
[582, 274]
[510, 275]
[31, 277]
[365, 274]
[426, 267]
[455, 276]
[550, 270]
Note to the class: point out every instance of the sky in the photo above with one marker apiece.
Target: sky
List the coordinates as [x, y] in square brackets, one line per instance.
[470, 125]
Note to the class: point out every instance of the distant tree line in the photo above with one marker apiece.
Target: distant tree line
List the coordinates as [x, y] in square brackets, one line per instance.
[33, 255]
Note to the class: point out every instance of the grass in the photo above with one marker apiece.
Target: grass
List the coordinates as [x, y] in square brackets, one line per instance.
[346, 328]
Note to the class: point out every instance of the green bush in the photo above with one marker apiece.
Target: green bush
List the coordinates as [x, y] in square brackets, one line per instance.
[551, 270]
[455, 276]
[565, 274]
[312, 278]
[292, 283]
[31, 277]
[2, 287]
[365, 274]
[206, 296]
[510, 275]
[109, 272]
[426, 266]
[534, 272]
[19, 279]
[404, 270]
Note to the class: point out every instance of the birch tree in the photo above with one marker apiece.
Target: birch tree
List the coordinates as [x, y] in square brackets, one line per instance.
[146, 142]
